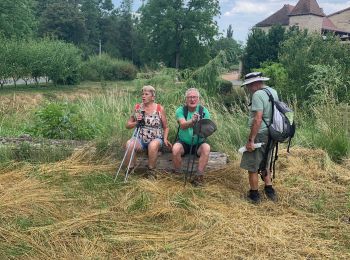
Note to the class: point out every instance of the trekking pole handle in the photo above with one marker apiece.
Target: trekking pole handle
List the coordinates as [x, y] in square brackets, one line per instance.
[195, 117]
[141, 121]
[244, 149]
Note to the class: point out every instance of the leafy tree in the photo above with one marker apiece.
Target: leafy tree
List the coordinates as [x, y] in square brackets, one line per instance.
[229, 32]
[262, 47]
[275, 37]
[92, 15]
[17, 18]
[110, 34]
[256, 50]
[63, 20]
[174, 26]
[5, 55]
[118, 32]
[125, 29]
[230, 46]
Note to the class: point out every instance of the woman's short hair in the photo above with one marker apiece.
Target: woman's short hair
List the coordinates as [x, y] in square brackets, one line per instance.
[192, 90]
[149, 88]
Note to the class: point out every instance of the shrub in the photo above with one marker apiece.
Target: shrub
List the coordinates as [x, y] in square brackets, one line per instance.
[224, 86]
[62, 121]
[103, 67]
[278, 76]
[302, 50]
[124, 70]
[59, 61]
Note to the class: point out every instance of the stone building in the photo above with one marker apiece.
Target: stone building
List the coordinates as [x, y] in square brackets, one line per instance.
[307, 14]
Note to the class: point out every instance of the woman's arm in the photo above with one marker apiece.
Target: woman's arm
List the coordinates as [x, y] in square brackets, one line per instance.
[165, 127]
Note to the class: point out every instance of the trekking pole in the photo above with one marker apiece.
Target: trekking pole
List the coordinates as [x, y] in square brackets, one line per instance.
[189, 160]
[126, 152]
[194, 157]
[132, 154]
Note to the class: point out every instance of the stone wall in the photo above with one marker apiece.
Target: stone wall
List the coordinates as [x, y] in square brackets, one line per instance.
[341, 20]
[312, 23]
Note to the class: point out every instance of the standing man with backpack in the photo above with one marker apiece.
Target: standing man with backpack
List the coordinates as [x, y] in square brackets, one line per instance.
[188, 143]
[255, 161]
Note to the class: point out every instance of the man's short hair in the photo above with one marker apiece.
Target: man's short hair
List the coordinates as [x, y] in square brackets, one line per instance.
[192, 90]
[149, 88]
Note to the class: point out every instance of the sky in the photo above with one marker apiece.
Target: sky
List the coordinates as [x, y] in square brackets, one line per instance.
[244, 14]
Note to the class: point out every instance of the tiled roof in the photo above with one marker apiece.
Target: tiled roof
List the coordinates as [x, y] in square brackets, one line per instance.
[327, 24]
[339, 12]
[280, 17]
[305, 7]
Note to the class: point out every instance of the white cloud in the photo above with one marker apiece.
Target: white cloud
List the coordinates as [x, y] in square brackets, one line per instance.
[257, 7]
[247, 7]
[329, 7]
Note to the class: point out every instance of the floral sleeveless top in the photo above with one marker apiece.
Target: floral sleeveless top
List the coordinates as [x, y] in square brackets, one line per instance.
[153, 128]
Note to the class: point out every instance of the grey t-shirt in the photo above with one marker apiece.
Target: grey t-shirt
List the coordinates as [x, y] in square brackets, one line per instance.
[260, 102]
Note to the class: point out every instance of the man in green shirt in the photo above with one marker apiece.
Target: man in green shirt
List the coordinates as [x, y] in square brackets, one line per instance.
[186, 139]
[255, 160]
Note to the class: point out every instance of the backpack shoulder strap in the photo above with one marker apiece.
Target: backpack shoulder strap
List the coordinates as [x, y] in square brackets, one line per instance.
[201, 111]
[159, 110]
[272, 100]
[185, 108]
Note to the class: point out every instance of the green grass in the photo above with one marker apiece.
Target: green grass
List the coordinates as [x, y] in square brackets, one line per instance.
[141, 202]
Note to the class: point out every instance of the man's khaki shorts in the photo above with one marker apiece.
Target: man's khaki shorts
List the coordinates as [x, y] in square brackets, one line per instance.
[251, 160]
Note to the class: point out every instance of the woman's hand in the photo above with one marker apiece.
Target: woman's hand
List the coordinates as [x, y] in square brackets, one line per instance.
[167, 143]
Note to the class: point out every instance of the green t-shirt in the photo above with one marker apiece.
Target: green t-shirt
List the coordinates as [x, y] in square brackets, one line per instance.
[260, 102]
[185, 135]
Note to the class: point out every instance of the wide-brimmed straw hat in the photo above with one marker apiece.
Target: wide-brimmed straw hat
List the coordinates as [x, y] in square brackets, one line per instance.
[253, 77]
[204, 128]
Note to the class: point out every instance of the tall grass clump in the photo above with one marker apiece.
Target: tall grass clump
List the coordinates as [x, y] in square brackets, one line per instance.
[331, 116]
[104, 67]
[332, 130]
[232, 127]
[110, 111]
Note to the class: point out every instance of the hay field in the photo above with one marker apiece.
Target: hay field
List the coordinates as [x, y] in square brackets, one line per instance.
[73, 210]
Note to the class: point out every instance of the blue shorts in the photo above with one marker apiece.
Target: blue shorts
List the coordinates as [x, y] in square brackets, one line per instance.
[144, 146]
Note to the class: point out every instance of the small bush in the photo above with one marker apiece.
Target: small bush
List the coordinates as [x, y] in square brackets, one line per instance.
[103, 67]
[224, 86]
[124, 70]
[278, 77]
[62, 121]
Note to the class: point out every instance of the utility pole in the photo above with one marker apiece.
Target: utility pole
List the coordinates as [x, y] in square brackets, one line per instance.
[100, 49]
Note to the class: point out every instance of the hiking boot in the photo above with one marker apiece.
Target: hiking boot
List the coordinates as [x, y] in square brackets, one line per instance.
[198, 181]
[270, 193]
[254, 196]
[150, 174]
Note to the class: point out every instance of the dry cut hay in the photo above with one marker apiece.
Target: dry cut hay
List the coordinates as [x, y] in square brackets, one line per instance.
[164, 219]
